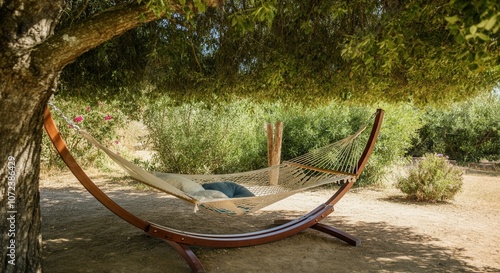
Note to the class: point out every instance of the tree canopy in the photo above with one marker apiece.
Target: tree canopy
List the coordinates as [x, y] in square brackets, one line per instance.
[309, 51]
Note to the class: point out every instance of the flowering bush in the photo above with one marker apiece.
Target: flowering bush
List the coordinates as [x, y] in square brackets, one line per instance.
[101, 120]
[432, 179]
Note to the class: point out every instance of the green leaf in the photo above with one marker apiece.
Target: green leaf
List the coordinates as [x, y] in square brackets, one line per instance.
[482, 24]
[452, 20]
[491, 22]
[234, 21]
[473, 30]
[483, 36]
[495, 30]
[200, 6]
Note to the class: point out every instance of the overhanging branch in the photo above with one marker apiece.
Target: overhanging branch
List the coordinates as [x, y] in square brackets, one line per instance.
[68, 44]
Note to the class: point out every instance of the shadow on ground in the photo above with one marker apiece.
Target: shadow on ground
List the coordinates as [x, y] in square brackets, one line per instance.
[80, 235]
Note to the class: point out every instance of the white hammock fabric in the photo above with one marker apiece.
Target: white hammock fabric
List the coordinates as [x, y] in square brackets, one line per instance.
[333, 163]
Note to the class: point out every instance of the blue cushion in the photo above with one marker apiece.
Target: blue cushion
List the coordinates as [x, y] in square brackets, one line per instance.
[231, 189]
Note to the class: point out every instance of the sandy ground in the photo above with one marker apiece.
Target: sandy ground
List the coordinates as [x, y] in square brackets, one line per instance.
[80, 235]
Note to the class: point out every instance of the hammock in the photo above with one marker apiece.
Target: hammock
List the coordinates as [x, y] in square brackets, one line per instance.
[334, 163]
[330, 164]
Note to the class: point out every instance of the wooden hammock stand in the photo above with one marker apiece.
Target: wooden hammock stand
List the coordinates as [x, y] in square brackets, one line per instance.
[181, 241]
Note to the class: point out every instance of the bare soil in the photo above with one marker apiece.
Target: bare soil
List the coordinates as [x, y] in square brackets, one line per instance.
[81, 235]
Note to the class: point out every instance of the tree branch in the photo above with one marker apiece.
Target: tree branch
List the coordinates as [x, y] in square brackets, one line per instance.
[68, 44]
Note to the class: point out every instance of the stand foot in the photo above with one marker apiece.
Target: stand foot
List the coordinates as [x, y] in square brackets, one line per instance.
[337, 233]
[342, 235]
[188, 255]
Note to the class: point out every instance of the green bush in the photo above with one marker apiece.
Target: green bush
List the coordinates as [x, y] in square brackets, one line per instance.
[465, 131]
[199, 138]
[230, 137]
[306, 128]
[101, 120]
[432, 179]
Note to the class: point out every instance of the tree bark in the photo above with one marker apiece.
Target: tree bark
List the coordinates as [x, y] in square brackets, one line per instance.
[21, 133]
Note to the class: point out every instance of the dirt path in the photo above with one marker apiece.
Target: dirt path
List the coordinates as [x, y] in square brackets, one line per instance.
[80, 235]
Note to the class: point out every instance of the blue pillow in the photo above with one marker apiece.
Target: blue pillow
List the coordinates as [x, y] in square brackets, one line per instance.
[231, 189]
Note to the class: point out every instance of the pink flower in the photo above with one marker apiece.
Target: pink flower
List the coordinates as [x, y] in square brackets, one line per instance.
[108, 117]
[87, 109]
[116, 142]
[78, 119]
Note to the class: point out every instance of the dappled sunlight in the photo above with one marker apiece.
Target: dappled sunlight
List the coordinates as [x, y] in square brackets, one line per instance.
[64, 240]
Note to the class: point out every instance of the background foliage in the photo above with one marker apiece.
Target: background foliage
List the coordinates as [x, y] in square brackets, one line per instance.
[468, 131]
[227, 137]
[201, 138]
[194, 138]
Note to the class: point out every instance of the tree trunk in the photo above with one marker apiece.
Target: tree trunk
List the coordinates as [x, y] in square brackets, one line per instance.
[31, 59]
[24, 92]
[20, 224]
[24, 96]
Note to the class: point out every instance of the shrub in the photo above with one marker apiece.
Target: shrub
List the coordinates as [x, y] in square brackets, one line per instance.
[306, 128]
[432, 179]
[101, 120]
[466, 131]
[400, 126]
[201, 138]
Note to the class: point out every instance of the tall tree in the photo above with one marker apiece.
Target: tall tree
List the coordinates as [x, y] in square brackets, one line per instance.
[399, 49]
[32, 55]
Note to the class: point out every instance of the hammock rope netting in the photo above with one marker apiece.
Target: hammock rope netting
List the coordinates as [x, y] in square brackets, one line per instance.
[333, 163]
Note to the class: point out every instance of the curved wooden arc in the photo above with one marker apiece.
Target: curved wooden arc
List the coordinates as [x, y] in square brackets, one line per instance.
[181, 239]
[377, 123]
[188, 256]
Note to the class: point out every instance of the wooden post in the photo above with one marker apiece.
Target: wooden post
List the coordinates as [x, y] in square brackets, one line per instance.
[274, 140]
